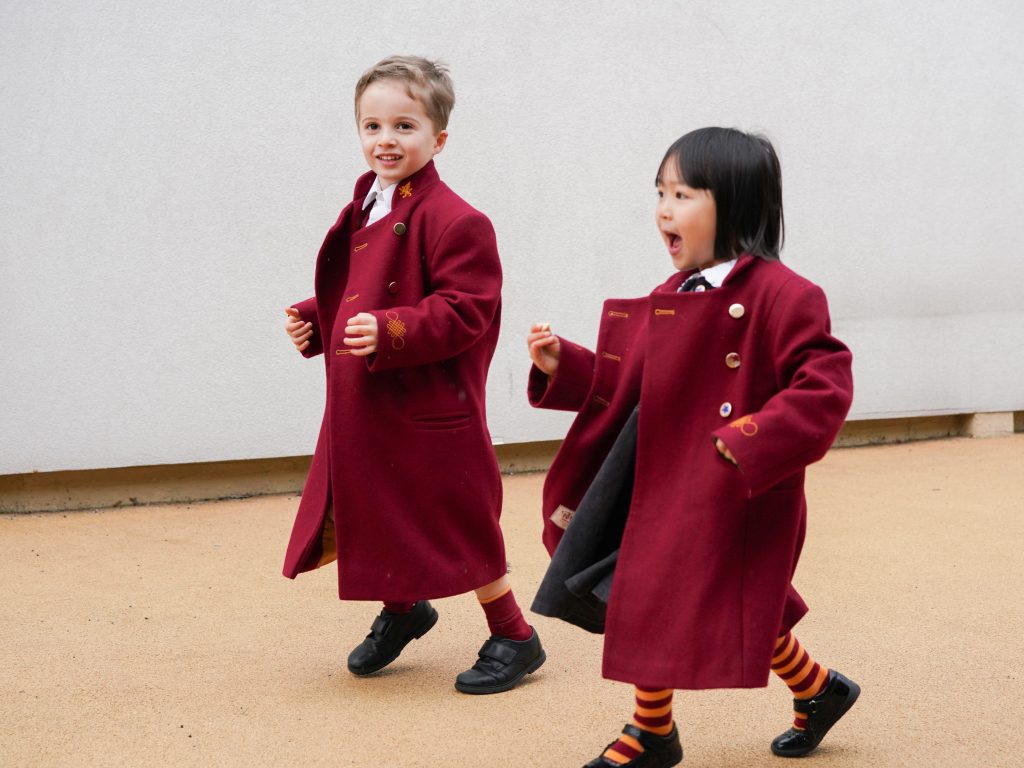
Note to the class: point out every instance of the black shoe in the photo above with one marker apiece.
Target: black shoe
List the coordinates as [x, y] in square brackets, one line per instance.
[659, 751]
[502, 664]
[823, 711]
[389, 634]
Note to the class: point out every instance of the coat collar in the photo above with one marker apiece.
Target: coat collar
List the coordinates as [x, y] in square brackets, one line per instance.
[406, 191]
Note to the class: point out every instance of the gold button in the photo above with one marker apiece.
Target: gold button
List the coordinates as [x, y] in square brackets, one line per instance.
[736, 311]
[392, 288]
[725, 410]
[400, 228]
[732, 360]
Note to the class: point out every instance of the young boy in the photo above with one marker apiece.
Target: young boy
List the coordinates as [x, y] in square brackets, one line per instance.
[404, 489]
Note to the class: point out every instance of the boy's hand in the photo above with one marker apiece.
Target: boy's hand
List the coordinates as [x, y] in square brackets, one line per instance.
[299, 331]
[724, 450]
[545, 347]
[362, 333]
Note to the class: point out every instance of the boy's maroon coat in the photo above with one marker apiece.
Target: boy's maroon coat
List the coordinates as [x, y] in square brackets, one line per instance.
[702, 587]
[404, 451]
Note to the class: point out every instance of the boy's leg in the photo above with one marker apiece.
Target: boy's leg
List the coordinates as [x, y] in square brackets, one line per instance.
[511, 653]
[820, 697]
[504, 617]
[651, 734]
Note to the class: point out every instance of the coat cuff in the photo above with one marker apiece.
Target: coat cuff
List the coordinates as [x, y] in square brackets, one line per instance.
[567, 390]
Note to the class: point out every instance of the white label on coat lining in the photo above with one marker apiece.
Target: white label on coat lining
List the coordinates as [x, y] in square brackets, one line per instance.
[561, 516]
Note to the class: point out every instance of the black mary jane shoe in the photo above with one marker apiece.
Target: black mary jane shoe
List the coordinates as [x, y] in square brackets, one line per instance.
[502, 663]
[823, 711]
[659, 751]
[389, 634]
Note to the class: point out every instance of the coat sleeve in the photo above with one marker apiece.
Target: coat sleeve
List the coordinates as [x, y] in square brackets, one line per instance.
[308, 313]
[798, 424]
[465, 293]
[567, 389]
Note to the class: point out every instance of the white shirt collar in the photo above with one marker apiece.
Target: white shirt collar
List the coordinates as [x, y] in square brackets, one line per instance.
[376, 194]
[716, 275]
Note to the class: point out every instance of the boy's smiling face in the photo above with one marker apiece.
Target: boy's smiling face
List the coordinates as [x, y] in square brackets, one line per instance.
[398, 137]
[686, 218]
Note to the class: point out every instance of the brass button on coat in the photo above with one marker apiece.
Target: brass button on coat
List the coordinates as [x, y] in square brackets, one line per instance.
[733, 360]
[400, 228]
[736, 311]
[725, 410]
[392, 288]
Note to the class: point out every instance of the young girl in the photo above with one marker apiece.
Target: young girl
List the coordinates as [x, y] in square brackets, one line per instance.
[675, 508]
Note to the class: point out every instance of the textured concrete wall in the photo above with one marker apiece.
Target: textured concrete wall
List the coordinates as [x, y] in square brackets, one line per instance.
[167, 171]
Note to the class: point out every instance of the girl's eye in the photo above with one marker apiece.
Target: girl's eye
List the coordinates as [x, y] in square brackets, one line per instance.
[404, 126]
[371, 126]
[660, 194]
[680, 196]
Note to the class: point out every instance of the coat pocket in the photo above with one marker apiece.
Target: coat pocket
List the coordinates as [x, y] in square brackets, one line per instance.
[440, 421]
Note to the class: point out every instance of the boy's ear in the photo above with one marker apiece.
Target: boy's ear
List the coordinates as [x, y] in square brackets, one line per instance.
[439, 142]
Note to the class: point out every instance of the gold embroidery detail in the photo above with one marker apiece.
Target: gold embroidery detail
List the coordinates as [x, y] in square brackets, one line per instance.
[613, 313]
[353, 297]
[601, 400]
[745, 425]
[343, 351]
[396, 329]
[664, 311]
[406, 189]
[359, 247]
[610, 356]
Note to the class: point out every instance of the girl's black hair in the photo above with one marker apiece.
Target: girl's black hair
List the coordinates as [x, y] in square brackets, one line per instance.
[743, 173]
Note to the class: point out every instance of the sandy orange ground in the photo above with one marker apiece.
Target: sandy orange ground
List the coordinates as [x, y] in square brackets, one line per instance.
[165, 636]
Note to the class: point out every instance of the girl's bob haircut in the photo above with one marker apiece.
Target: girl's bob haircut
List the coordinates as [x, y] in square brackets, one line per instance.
[742, 172]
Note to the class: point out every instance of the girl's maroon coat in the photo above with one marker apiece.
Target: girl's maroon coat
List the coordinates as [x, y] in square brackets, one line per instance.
[702, 587]
[404, 451]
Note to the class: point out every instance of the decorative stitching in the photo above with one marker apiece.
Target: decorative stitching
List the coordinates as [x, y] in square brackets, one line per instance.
[343, 351]
[742, 425]
[613, 313]
[396, 329]
[601, 400]
[664, 311]
[359, 247]
[353, 297]
[610, 356]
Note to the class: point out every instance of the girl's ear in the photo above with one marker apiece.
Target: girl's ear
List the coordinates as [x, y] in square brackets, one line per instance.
[439, 142]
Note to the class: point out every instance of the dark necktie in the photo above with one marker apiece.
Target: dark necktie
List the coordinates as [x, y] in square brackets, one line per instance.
[695, 283]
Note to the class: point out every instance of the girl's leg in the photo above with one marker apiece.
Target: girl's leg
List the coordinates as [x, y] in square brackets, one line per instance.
[504, 617]
[651, 732]
[802, 674]
[652, 713]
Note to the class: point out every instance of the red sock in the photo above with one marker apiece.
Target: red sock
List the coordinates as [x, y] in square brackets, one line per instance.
[402, 608]
[504, 617]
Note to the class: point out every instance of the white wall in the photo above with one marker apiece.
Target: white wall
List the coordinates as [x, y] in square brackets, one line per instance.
[168, 169]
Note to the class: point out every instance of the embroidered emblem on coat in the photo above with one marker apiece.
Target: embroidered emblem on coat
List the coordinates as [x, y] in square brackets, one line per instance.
[561, 516]
[396, 329]
[745, 425]
[406, 189]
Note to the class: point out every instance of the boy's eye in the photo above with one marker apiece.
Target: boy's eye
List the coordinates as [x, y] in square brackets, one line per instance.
[371, 126]
[405, 126]
[680, 196]
[660, 194]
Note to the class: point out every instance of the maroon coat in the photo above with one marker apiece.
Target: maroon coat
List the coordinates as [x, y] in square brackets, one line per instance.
[702, 587]
[404, 450]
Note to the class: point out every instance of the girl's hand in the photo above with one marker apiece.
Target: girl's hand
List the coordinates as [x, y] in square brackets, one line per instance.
[724, 450]
[298, 331]
[545, 348]
[362, 333]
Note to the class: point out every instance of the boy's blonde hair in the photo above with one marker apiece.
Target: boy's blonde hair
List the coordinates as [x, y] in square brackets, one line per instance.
[426, 81]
